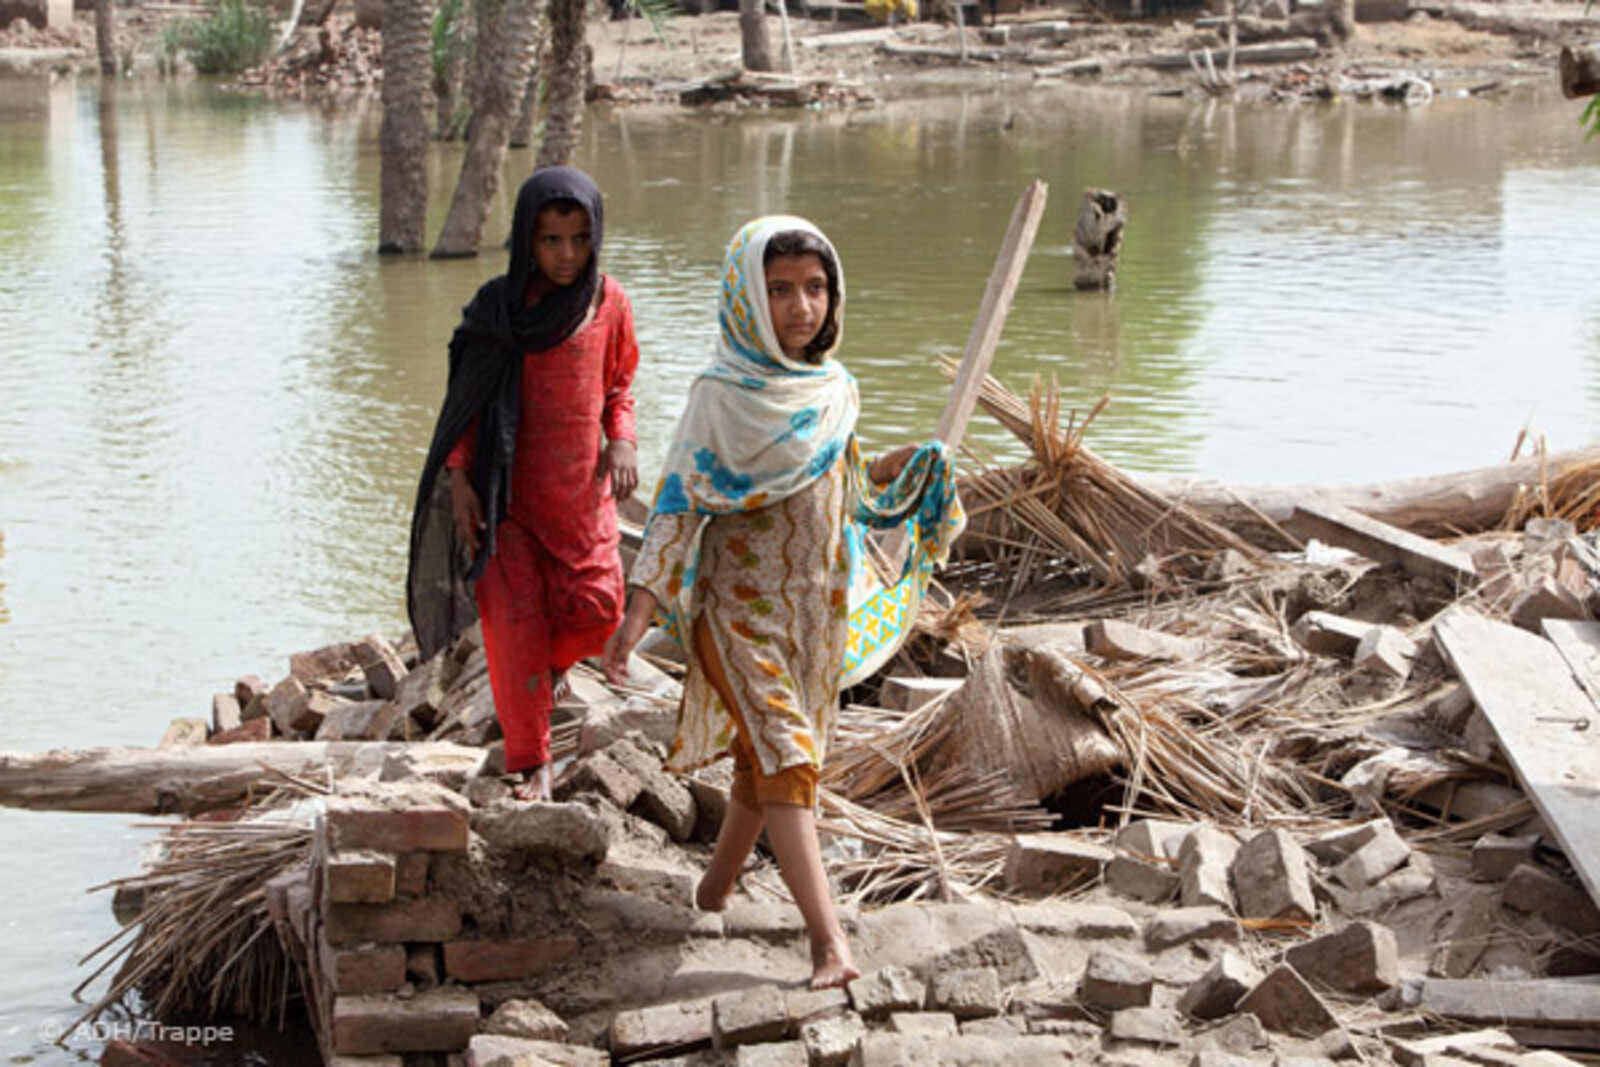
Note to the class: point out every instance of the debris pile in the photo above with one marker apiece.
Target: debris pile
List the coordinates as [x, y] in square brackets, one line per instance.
[1145, 786]
[336, 56]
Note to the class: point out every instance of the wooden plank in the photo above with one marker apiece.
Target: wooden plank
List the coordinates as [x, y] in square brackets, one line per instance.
[1547, 727]
[1579, 645]
[1381, 542]
[164, 781]
[985, 336]
[1269, 52]
[1541, 1002]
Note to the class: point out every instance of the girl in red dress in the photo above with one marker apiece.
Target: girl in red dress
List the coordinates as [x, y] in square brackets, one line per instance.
[537, 434]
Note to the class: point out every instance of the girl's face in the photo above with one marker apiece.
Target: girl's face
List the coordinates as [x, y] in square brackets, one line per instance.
[797, 293]
[562, 243]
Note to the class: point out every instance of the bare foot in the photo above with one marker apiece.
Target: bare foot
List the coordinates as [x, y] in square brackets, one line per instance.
[535, 784]
[831, 965]
[707, 897]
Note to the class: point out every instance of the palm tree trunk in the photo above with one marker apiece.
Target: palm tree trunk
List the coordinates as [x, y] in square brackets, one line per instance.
[522, 132]
[507, 31]
[568, 74]
[105, 36]
[403, 137]
[753, 42]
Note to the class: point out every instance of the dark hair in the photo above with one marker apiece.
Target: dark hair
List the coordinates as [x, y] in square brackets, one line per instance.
[805, 243]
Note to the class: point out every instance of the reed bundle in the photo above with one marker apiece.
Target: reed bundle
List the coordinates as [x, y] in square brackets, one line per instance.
[1068, 502]
[203, 944]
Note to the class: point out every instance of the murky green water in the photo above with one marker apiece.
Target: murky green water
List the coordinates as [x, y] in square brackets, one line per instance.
[214, 397]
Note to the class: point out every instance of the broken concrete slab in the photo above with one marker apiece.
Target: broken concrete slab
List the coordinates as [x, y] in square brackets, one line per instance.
[1360, 957]
[970, 993]
[1152, 883]
[1384, 650]
[1496, 857]
[1052, 863]
[1221, 987]
[1286, 1004]
[1205, 857]
[1534, 890]
[1327, 634]
[1115, 981]
[880, 993]
[1464, 933]
[1379, 857]
[1160, 1027]
[1271, 879]
[1177, 926]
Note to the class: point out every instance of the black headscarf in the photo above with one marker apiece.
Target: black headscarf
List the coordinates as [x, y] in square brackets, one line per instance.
[485, 383]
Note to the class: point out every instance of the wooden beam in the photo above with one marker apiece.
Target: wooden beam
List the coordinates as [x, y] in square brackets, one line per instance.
[1547, 727]
[1545, 1002]
[1382, 543]
[1434, 505]
[170, 781]
[985, 335]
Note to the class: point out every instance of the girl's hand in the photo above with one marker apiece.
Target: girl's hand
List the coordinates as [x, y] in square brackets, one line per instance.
[621, 461]
[466, 510]
[887, 467]
[620, 645]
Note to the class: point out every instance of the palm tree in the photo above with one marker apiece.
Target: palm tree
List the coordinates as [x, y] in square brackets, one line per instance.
[754, 45]
[105, 35]
[566, 84]
[403, 138]
[507, 34]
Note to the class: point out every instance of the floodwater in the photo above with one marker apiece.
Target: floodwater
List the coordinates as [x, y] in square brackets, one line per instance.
[214, 397]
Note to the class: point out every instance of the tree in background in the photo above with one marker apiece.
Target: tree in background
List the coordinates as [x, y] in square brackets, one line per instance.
[403, 137]
[507, 36]
[565, 83]
[754, 46]
[105, 35]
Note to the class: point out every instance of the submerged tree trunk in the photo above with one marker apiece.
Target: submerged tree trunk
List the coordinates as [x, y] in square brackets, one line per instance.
[105, 35]
[568, 74]
[507, 31]
[754, 45]
[1097, 239]
[454, 40]
[528, 110]
[403, 138]
[1580, 70]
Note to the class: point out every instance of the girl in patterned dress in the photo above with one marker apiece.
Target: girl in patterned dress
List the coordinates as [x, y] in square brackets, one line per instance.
[747, 551]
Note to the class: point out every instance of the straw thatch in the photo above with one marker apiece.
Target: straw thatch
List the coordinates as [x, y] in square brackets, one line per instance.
[1067, 503]
[203, 944]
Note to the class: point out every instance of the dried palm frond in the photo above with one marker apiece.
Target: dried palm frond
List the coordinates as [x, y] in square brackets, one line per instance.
[203, 943]
[1068, 502]
[1573, 495]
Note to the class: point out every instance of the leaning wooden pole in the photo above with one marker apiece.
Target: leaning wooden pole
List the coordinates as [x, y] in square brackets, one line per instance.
[986, 329]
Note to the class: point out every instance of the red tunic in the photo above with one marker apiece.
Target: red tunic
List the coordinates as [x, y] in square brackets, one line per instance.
[552, 592]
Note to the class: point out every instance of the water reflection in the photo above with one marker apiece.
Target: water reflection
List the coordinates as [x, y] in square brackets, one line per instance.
[217, 396]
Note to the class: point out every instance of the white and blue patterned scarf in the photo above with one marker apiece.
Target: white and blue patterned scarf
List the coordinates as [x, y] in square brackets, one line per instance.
[760, 427]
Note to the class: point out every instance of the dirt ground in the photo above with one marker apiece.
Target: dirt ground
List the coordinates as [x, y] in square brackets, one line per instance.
[1509, 40]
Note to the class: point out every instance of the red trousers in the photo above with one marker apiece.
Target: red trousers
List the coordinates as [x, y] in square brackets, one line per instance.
[540, 616]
